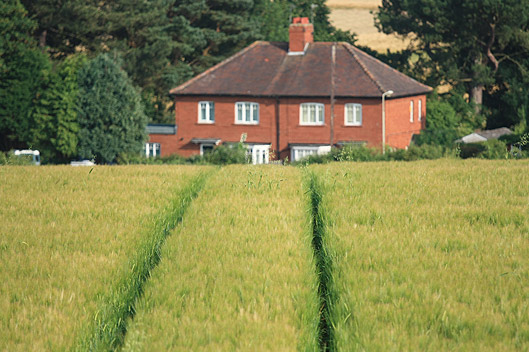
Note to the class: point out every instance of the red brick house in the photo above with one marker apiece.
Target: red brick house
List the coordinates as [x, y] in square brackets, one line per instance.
[294, 99]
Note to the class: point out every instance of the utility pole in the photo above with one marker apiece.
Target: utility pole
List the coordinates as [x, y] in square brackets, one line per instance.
[384, 95]
[333, 83]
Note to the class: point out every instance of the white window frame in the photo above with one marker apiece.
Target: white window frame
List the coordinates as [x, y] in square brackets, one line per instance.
[301, 151]
[316, 106]
[411, 110]
[210, 108]
[356, 121]
[419, 109]
[258, 153]
[254, 107]
[154, 147]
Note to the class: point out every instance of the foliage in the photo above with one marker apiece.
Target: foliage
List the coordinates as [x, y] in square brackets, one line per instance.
[415, 152]
[55, 129]
[224, 154]
[363, 153]
[478, 49]
[495, 149]
[227, 154]
[10, 158]
[356, 153]
[111, 117]
[22, 68]
[134, 158]
[491, 149]
[465, 41]
[274, 19]
[64, 27]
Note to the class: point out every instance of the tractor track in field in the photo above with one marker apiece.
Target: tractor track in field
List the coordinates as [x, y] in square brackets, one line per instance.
[110, 322]
[323, 264]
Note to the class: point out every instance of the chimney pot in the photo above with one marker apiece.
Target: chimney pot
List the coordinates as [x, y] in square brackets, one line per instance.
[300, 34]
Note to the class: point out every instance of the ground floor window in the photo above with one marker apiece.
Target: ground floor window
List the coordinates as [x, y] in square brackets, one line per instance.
[302, 151]
[258, 153]
[152, 150]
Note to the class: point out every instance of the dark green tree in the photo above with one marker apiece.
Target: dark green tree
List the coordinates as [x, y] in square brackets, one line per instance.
[55, 130]
[111, 116]
[66, 26]
[22, 68]
[460, 42]
[274, 18]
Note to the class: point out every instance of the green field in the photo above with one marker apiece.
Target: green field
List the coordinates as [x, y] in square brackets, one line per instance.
[428, 255]
[238, 274]
[66, 236]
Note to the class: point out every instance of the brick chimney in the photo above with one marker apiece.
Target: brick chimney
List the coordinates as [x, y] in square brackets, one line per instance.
[300, 34]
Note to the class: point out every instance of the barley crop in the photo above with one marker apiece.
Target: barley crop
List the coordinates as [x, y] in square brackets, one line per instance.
[238, 273]
[429, 256]
[66, 236]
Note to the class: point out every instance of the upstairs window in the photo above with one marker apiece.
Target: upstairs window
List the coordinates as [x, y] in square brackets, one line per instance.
[411, 110]
[247, 113]
[419, 110]
[206, 112]
[353, 114]
[311, 114]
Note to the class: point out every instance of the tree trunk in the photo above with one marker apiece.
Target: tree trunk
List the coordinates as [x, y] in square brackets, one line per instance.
[42, 38]
[476, 96]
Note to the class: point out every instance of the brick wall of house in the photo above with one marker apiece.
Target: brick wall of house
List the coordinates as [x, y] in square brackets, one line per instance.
[399, 129]
[225, 128]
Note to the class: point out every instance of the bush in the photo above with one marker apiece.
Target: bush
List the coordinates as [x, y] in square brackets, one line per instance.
[357, 153]
[11, 159]
[173, 159]
[494, 149]
[221, 155]
[227, 154]
[415, 152]
[471, 150]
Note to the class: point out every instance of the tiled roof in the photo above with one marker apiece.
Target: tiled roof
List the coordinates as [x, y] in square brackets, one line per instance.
[266, 69]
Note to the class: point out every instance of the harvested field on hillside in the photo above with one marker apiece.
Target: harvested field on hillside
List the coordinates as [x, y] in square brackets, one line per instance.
[357, 17]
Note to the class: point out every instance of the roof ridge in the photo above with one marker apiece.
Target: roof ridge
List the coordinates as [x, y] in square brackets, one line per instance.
[220, 64]
[350, 48]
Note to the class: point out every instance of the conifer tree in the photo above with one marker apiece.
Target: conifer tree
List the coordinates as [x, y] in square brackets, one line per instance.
[22, 68]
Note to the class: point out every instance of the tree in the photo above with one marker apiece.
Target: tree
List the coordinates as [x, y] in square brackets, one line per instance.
[22, 68]
[65, 26]
[55, 130]
[274, 18]
[460, 42]
[111, 116]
